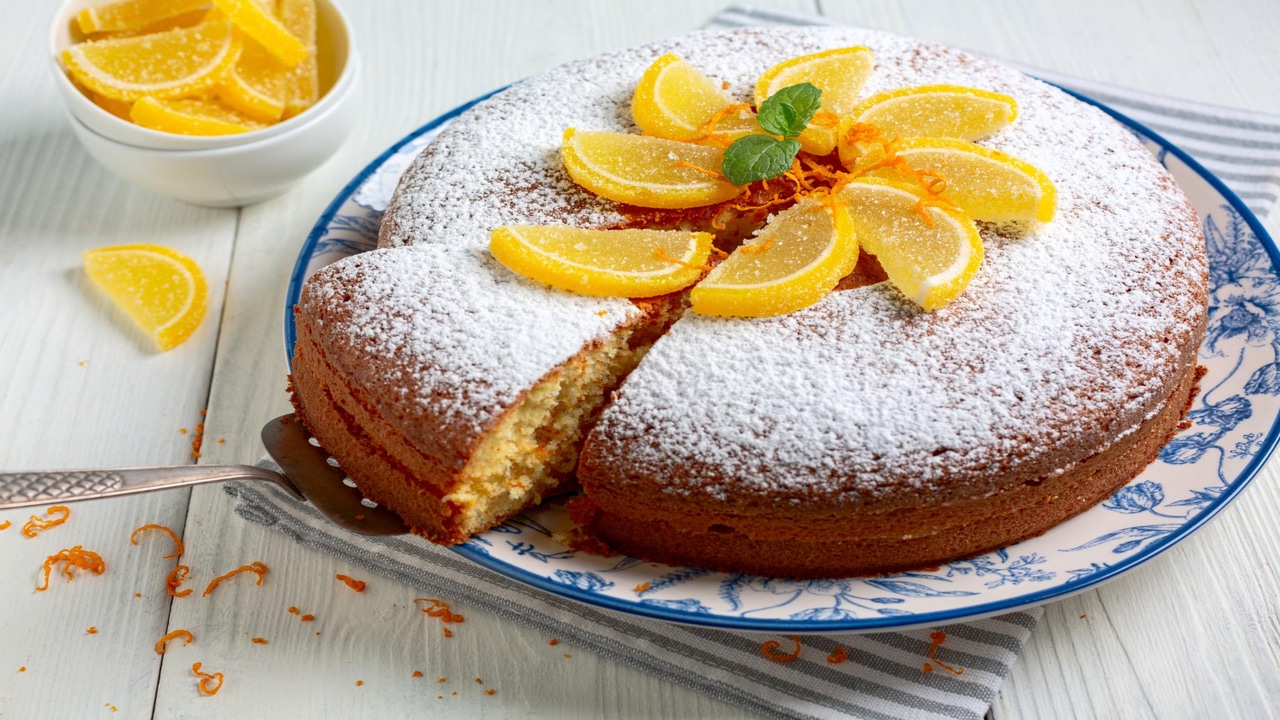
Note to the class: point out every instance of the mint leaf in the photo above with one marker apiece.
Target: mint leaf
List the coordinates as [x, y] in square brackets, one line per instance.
[788, 111]
[758, 157]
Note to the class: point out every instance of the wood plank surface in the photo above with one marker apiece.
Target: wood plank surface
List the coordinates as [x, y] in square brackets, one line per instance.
[1193, 634]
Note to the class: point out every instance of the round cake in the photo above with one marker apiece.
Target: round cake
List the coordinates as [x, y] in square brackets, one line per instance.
[859, 435]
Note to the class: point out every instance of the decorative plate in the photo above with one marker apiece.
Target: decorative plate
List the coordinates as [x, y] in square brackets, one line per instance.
[1234, 429]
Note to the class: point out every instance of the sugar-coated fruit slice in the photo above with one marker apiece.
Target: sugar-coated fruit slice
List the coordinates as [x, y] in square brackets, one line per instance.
[839, 73]
[948, 111]
[163, 291]
[646, 171]
[171, 64]
[678, 101]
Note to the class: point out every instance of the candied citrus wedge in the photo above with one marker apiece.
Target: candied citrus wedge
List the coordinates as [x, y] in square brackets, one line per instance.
[675, 100]
[162, 290]
[617, 263]
[257, 84]
[987, 184]
[646, 171]
[949, 111]
[133, 14]
[792, 263]
[838, 73]
[169, 64]
[929, 263]
[258, 23]
[302, 87]
[190, 116]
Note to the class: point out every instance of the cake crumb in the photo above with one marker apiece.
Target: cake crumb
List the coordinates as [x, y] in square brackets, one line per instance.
[93, 630]
[137, 594]
[307, 618]
[490, 691]
[642, 587]
[182, 431]
[567, 656]
[1083, 616]
[22, 669]
[442, 679]
[417, 673]
[84, 363]
[359, 683]
[479, 681]
[259, 641]
[553, 641]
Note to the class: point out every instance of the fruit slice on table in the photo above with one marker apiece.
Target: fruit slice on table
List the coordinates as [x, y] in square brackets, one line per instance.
[676, 100]
[190, 117]
[987, 184]
[164, 65]
[791, 264]
[838, 73]
[256, 84]
[646, 171]
[303, 84]
[948, 111]
[930, 264]
[161, 289]
[133, 14]
[618, 263]
[258, 23]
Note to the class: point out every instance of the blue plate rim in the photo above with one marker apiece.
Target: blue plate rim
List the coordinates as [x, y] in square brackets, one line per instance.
[1022, 602]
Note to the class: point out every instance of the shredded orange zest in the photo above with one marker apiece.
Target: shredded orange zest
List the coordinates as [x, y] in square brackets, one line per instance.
[448, 633]
[22, 669]
[259, 641]
[177, 543]
[553, 641]
[357, 585]
[936, 638]
[417, 673]
[838, 656]
[699, 168]
[441, 610]
[210, 683]
[5, 525]
[93, 630]
[771, 650]
[642, 587]
[661, 254]
[255, 567]
[197, 440]
[293, 610]
[933, 184]
[73, 557]
[36, 524]
[177, 576]
[442, 679]
[163, 643]
[707, 131]
[307, 618]
[359, 683]
[825, 119]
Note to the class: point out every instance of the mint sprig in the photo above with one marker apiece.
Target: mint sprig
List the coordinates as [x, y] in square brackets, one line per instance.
[786, 114]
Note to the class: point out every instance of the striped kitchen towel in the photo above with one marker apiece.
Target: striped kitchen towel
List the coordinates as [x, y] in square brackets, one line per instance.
[884, 673]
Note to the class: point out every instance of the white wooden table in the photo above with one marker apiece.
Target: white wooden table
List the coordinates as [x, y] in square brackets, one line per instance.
[1193, 634]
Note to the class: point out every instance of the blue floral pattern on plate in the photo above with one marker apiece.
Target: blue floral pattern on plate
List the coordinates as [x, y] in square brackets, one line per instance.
[1233, 428]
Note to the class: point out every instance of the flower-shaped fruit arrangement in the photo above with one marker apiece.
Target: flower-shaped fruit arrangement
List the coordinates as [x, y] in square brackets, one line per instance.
[197, 67]
[896, 173]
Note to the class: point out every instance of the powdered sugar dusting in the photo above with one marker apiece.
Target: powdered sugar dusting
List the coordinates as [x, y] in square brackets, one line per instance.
[1069, 334]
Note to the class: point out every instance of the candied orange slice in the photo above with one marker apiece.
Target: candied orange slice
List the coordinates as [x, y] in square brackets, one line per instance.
[133, 14]
[987, 184]
[789, 265]
[303, 83]
[949, 111]
[676, 100]
[190, 116]
[256, 84]
[258, 23]
[646, 171]
[931, 262]
[162, 290]
[170, 64]
[618, 263]
[838, 73]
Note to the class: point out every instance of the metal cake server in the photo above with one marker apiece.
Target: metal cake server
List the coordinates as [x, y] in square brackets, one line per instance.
[308, 475]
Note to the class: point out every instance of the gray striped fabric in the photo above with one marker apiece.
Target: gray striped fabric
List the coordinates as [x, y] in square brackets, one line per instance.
[883, 677]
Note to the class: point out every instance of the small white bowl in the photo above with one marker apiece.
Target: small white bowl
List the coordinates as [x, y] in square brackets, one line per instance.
[224, 170]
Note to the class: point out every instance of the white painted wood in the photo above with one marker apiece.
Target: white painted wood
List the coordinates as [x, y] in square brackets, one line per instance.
[1192, 635]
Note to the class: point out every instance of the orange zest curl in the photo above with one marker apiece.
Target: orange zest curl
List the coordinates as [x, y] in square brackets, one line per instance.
[357, 585]
[936, 638]
[707, 131]
[177, 576]
[73, 557]
[210, 683]
[838, 655]
[825, 119]
[163, 643]
[661, 254]
[933, 184]
[37, 524]
[177, 543]
[5, 525]
[699, 168]
[440, 609]
[256, 568]
[771, 649]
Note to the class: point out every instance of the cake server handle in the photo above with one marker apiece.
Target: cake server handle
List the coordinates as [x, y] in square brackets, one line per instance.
[38, 487]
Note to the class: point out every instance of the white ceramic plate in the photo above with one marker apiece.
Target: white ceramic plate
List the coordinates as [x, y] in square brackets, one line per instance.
[1234, 429]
